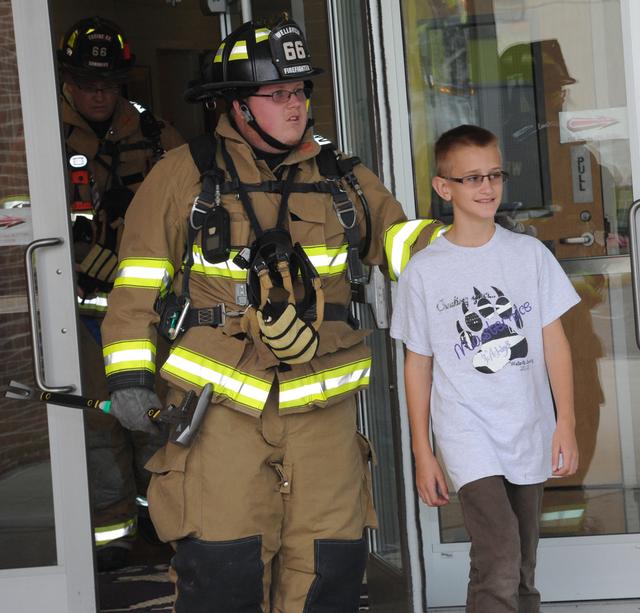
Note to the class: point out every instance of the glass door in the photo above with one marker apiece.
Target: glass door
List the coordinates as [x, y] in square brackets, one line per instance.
[388, 579]
[550, 81]
[45, 533]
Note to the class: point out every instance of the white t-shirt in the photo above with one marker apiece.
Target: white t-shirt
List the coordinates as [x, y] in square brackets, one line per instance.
[479, 311]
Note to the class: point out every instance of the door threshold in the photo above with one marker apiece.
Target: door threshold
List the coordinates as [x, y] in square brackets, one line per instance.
[608, 606]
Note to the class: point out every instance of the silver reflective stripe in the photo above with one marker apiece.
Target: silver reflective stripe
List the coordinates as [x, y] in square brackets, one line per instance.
[145, 272]
[235, 388]
[97, 302]
[325, 261]
[115, 531]
[129, 355]
[327, 387]
[226, 269]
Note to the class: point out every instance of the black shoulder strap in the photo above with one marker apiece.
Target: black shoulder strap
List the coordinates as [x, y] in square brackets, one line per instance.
[333, 167]
[336, 168]
[203, 151]
[150, 127]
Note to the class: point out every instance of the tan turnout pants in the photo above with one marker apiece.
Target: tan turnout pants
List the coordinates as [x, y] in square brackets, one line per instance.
[280, 500]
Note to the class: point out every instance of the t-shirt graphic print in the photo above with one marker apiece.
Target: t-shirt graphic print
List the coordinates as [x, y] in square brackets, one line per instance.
[488, 327]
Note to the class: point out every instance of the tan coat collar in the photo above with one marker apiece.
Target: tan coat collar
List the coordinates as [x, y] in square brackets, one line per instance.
[125, 117]
[306, 150]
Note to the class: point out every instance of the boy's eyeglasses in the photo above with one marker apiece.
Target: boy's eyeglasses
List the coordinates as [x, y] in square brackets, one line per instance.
[495, 178]
[282, 96]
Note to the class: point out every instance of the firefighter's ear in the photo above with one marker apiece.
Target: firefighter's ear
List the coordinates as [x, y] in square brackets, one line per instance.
[441, 185]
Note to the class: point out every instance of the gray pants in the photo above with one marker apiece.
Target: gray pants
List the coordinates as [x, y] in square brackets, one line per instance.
[503, 521]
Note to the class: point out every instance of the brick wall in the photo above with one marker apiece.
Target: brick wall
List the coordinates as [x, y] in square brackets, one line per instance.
[23, 427]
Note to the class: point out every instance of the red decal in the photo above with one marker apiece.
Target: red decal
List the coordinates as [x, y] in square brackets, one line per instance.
[80, 177]
[7, 221]
[578, 124]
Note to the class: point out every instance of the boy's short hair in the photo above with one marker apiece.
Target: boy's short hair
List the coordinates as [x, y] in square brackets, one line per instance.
[461, 136]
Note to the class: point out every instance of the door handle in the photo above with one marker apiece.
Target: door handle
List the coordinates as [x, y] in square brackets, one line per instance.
[635, 273]
[31, 297]
[587, 239]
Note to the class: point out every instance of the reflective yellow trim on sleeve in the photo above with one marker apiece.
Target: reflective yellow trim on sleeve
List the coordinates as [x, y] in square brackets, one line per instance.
[199, 370]
[112, 532]
[323, 385]
[398, 240]
[146, 273]
[439, 232]
[122, 356]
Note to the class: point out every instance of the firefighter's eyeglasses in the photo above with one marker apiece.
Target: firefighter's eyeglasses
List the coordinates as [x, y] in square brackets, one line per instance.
[93, 87]
[282, 96]
[497, 177]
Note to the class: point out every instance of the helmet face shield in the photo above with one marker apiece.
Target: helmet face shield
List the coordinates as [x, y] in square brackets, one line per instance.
[95, 49]
[254, 56]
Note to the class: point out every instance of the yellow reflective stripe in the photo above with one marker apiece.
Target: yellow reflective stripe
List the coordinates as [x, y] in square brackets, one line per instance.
[97, 303]
[398, 240]
[438, 233]
[227, 269]
[149, 273]
[239, 51]
[323, 385]
[106, 534]
[122, 356]
[199, 370]
[218, 57]
[262, 34]
[328, 260]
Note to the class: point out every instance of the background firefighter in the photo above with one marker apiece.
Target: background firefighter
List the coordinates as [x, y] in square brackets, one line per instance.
[111, 144]
[267, 507]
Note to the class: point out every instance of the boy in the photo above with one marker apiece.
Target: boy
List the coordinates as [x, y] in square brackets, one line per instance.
[479, 314]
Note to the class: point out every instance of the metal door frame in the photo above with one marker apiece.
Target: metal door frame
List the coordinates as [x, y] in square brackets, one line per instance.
[68, 587]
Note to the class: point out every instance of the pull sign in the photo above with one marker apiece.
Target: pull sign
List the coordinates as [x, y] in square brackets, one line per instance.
[78, 161]
[581, 174]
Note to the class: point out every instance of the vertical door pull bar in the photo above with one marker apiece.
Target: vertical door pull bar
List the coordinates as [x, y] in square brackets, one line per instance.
[33, 309]
[635, 271]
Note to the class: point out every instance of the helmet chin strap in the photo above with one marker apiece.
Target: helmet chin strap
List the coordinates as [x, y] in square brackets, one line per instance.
[267, 138]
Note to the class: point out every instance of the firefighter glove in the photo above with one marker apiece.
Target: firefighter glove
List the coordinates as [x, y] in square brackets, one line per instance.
[130, 406]
[291, 339]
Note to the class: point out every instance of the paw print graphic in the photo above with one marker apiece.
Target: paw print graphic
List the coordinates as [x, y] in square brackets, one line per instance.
[489, 327]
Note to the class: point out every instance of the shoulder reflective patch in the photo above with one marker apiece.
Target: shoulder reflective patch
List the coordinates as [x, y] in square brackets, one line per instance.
[137, 106]
[321, 140]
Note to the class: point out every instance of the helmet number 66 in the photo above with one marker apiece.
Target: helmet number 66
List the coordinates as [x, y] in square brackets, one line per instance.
[294, 51]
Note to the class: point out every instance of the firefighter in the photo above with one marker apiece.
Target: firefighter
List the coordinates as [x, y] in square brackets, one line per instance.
[244, 247]
[111, 144]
